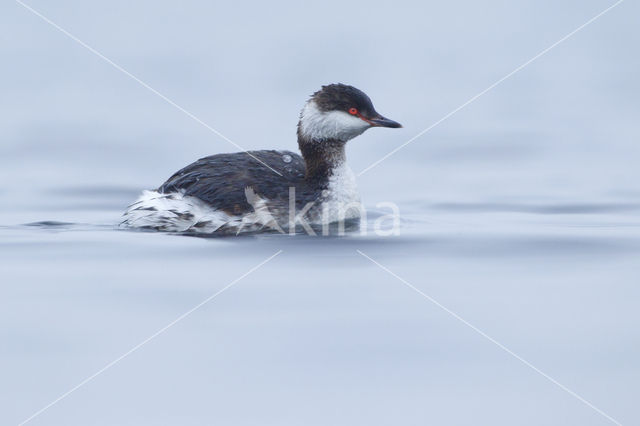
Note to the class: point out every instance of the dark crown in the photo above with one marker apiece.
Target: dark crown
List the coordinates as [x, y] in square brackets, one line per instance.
[342, 97]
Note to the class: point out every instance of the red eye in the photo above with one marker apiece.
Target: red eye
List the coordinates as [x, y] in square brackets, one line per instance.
[353, 111]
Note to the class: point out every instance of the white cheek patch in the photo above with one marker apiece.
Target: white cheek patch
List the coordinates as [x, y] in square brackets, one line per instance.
[339, 125]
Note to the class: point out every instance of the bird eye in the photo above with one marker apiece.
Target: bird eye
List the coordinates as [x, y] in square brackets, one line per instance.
[353, 111]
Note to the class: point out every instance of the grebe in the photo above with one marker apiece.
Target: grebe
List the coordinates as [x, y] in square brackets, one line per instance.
[237, 193]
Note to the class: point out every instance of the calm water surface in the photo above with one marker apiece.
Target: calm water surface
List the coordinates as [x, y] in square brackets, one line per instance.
[520, 215]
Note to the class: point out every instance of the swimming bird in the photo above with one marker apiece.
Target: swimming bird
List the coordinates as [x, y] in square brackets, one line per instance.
[270, 190]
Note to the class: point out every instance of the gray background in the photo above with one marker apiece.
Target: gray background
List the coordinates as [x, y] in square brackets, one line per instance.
[520, 214]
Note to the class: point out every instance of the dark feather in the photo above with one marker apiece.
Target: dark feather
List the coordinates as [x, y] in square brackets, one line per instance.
[220, 180]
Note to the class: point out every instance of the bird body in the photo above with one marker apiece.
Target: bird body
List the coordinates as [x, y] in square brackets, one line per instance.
[269, 189]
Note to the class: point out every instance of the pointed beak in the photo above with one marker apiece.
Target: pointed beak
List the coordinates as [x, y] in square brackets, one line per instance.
[381, 121]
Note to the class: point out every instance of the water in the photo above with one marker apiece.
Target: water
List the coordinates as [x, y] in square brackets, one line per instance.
[520, 216]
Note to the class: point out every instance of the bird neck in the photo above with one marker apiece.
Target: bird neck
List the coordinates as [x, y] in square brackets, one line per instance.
[321, 157]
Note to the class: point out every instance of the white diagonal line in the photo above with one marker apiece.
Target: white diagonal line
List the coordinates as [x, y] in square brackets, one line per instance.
[491, 339]
[489, 88]
[147, 340]
[142, 83]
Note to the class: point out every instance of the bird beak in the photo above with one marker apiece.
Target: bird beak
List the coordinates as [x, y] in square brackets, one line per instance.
[381, 121]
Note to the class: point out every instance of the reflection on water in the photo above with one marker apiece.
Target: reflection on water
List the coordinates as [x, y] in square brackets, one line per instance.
[50, 224]
[433, 229]
[577, 208]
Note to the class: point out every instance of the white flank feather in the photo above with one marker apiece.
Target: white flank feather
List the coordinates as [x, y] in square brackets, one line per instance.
[175, 212]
